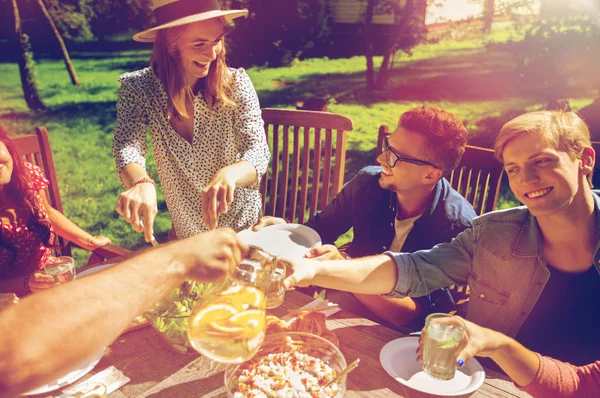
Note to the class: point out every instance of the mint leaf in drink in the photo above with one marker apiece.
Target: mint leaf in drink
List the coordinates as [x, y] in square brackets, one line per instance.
[447, 343]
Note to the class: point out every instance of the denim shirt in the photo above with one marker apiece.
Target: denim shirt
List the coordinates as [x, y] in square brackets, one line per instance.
[500, 258]
[371, 210]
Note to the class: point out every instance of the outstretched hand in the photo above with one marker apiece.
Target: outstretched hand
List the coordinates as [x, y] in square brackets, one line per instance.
[303, 272]
[325, 252]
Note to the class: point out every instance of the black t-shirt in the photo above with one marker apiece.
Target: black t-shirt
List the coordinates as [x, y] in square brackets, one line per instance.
[565, 321]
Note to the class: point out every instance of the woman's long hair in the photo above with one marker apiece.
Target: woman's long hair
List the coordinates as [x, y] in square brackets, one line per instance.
[20, 191]
[215, 87]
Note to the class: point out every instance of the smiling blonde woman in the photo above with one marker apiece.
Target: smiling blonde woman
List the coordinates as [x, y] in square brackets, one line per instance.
[205, 125]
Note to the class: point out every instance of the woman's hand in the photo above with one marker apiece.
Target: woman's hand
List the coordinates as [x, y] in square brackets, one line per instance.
[266, 221]
[7, 300]
[325, 252]
[39, 281]
[221, 251]
[138, 207]
[96, 242]
[217, 196]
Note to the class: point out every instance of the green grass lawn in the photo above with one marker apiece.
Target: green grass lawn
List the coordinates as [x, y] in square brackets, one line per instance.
[481, 85]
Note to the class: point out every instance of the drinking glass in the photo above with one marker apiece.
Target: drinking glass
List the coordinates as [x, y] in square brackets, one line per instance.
[62, 269]
[443, 334]
[276, 290]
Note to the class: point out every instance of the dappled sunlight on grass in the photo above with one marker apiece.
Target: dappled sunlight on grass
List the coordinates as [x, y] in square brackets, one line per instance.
[482, 85]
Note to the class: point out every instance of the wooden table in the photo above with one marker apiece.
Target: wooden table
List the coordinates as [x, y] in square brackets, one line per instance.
[157, 371]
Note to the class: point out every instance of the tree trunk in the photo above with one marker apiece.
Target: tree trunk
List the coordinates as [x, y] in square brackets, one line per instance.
[26, 65]
[384, 69]
[488, 15]
[369, 44]
[61, 43]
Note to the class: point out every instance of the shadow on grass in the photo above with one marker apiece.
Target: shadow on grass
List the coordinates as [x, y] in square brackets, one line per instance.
[461, 76]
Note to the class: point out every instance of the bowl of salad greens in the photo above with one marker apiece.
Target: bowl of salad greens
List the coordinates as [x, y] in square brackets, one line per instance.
[169, 317]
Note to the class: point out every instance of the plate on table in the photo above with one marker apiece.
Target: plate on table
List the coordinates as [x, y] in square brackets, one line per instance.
[399, 359]
[284, 240]
[94, 270]
[69, 378]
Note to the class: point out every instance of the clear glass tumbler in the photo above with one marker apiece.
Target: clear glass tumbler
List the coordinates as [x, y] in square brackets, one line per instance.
[62, 269]
[443, 334]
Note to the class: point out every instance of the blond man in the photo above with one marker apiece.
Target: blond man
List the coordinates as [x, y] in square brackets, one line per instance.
[533, 270]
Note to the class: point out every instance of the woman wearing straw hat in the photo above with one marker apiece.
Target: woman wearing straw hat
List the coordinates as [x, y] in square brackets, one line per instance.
[205, 125]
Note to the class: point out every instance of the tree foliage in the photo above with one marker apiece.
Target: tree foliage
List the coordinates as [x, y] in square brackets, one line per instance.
[564, 43]
[277, 32]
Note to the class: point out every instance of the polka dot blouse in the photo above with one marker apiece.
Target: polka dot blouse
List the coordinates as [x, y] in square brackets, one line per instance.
[222, 136]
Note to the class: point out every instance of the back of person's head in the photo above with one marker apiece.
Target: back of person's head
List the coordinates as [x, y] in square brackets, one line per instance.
[562, 130]
[446, 136]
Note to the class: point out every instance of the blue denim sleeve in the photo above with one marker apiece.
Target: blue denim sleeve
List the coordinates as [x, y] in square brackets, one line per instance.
[424, 271]
[336, 218]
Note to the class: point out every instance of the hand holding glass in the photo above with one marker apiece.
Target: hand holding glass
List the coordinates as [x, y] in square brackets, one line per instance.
[443, 334]
[62, 269]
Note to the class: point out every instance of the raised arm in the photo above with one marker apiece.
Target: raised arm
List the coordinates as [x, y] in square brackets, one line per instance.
[31, 331]
[396, 274]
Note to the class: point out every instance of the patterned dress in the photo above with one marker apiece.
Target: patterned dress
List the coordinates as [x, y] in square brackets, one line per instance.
[31, 252]
[222, 136]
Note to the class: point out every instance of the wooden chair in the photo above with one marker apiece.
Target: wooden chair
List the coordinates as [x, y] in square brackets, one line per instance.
[35, 148]
[477, 177]
[308, 151]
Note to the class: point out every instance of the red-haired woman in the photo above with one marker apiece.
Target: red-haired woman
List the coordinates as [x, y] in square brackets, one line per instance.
[205, 123]
[29, 225]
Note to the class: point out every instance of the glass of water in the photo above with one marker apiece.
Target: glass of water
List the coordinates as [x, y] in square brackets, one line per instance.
[62, 269]
[276, 290]
[443, 334]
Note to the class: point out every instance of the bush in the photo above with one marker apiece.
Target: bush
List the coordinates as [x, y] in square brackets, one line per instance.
[277, 32]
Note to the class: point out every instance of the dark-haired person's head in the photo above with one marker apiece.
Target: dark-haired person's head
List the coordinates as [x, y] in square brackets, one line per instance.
[427, 143]
[15, 192]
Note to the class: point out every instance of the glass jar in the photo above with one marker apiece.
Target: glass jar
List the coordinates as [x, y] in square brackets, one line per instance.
[229, 325]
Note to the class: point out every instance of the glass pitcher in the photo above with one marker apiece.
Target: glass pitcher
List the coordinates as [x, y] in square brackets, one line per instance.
[229, 325]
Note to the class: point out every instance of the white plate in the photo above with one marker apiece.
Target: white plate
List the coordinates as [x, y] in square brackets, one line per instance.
[285, 240]
[94, 270]
[399, 359]
[69, 377]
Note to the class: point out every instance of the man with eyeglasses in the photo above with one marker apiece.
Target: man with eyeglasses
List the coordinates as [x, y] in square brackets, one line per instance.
[404, 204]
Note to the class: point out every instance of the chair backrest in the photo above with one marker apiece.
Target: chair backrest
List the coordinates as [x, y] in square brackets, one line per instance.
[35, 148]
[308, 156]
[477, 177]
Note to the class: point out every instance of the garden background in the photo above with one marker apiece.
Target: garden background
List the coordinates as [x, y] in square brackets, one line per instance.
[499, 62]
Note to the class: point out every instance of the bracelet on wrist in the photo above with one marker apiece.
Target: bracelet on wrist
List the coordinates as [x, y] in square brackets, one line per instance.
[142, 180]
[26, 284]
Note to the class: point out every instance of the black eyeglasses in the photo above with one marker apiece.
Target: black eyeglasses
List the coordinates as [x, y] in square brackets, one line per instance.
[392, 157]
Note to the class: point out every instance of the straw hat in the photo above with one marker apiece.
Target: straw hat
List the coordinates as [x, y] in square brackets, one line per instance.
[170, 13]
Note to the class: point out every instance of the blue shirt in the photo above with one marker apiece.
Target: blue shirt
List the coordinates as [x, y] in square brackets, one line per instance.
[500, 258]
[368, 208]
